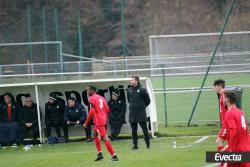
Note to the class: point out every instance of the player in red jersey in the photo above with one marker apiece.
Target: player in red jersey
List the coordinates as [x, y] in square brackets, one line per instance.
[219, 86]
[237, 135]
[99, 112]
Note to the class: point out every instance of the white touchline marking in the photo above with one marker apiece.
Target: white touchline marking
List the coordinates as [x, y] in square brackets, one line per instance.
[190, 145]
[195, 142]
[201, 139]
[217, 164]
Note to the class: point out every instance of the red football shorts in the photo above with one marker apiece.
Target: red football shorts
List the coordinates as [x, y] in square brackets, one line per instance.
[100, 131]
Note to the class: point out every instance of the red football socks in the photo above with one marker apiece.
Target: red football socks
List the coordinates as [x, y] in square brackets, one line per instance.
[109, 147]
[98, 144]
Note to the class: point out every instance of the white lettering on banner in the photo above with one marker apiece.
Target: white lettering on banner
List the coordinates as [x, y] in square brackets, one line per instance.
[227, 158]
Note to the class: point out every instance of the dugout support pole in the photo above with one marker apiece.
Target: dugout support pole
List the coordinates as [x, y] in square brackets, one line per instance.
[38, 114]
[164, 95]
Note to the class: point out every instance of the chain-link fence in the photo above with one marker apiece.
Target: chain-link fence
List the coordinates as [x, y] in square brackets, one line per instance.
[180, 90]
[91, 29]
[181, 93]
[102, 39]
[187, 58]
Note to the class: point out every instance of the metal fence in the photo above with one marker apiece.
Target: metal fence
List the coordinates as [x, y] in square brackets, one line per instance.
[88, 29]
[189, 57]
[196, 49]
[86, 34]
[175, 77]
[179, 89]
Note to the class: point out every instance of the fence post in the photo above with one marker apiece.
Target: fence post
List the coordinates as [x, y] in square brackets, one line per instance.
[126, 67]
[193, 102]
[164, 95]
[80, 37]
[32, 71]
[57, 35]
[61, 59]
[124, 43]
[1, 73]
[45, 37]
[114, 68]
[79, 69]
[29, 33]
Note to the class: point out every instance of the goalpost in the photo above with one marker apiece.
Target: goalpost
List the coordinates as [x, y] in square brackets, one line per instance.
[32, 52]
[191, 50]
[189, 55]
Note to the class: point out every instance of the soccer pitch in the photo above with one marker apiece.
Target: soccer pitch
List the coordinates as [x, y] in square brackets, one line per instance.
[192, 142]
[190, 152]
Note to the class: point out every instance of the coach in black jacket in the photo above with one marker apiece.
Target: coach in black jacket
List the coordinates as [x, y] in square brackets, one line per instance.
[54, 111]
[117, 114]
[138, 99]
[29, 119]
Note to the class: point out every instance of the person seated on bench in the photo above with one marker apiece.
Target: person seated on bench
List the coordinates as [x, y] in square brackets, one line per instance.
[75, 114]
[54, 111]
[117, 114]
[9, 125]
[29, 119]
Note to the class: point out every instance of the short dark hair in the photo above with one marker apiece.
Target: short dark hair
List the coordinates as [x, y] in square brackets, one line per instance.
[71, 98]
[137, 78]
[8, 94]
[92, 87]
[231, 96]
[220, 82]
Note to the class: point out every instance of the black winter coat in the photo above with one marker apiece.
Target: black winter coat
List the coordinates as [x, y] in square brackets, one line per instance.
[54, 112]
[117, 110]
[29, 115]
[138, 99]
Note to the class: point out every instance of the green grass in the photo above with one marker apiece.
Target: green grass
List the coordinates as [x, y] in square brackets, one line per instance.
[161, 154]
[179, 105]
[173, 131]
[81, 154]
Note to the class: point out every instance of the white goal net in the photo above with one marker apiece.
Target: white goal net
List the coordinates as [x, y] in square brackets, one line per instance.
[186, 54]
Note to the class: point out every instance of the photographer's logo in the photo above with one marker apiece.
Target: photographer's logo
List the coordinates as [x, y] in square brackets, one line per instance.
[227, 157]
